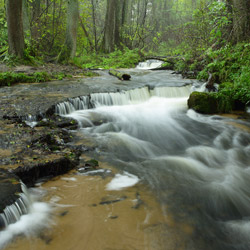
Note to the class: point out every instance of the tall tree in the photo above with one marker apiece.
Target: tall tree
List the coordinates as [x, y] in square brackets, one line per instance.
[69, 48]
[113, 22]
[241, 20]
[14, 16]
[35, 20]
[26, 21]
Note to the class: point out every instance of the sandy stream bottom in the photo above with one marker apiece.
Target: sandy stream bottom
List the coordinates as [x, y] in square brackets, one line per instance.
[80, 222]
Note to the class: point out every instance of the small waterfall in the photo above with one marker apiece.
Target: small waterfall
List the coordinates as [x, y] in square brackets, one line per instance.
[26, 216]
[13, 213]
[150, 64]
[31, 120]
[119, 98]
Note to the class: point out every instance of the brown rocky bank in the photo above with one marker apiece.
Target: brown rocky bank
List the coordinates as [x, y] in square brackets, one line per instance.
[31, 153]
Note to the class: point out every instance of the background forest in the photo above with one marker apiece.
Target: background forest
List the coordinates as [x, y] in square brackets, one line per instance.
[205, 37]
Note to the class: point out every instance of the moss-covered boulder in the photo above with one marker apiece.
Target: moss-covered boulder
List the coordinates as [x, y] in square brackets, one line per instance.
[205, 103]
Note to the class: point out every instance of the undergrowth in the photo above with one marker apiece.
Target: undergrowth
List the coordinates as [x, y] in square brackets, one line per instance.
[117, 59]
[230, 66]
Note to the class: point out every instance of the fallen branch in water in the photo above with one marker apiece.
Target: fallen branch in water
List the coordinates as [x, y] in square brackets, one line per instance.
[119, 75]
[210, 82]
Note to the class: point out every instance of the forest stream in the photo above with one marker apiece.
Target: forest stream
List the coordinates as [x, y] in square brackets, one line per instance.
[168, 177]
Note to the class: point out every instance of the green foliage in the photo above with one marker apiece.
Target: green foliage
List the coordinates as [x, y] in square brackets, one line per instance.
[230, 65]
[203, 102]
[9, 78]
[3, 32]
[117, 59]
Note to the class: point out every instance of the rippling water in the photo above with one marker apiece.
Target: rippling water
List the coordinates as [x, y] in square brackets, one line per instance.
[197, 165]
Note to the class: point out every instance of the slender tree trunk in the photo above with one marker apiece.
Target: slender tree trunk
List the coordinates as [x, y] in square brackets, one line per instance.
[26, 21]
[94, 22]
[71, 31]
[35, 21]
[86, 34]
[15, 27]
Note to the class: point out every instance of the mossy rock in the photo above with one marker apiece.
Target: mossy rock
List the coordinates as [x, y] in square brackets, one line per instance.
[205, 103]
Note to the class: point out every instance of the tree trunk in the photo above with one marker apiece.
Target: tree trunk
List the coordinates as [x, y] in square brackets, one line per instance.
[113, 21]
[119, 75]
[69, 48]
[26, 21]
[94, 22]
[15, 27]
[35, 20]
[241, 20]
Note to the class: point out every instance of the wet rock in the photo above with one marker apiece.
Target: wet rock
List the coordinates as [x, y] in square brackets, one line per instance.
[113, 217]
[107, 202]
[30, 174]
[189, 74]
[205, 103]
[64, 213]
[138, 201]
[56, 121]
[10, 187]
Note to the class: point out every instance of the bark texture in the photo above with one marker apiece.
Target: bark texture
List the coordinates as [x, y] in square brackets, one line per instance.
[241, 20]
[71, 31]
[69, 48]
[15, 27]
[113, 22]
[35, 20]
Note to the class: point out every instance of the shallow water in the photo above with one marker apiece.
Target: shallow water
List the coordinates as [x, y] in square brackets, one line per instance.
[196, 165]
[87, 215]
[176, 179]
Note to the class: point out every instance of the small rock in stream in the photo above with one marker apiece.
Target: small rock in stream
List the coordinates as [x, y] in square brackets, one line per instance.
[107, 202]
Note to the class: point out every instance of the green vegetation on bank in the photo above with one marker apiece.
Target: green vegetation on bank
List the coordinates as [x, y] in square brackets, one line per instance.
[230, 67]
[10, 78]
[125, 58]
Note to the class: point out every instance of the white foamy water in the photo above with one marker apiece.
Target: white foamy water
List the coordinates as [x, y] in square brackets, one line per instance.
[149, 64]
[128, 97]
[191, 161]
[121, 181]
[37, 219]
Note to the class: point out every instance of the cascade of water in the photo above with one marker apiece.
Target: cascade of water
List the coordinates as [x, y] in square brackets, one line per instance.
[120, 98]
[198, 165]
[24, 217]
[13, 213]
[150, 64]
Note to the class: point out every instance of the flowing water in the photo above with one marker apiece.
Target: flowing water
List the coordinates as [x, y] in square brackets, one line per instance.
[172, 179]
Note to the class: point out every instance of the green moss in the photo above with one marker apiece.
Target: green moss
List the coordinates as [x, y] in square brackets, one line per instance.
[9, 78]
[205, 103]
[92, 163]
[90, 73]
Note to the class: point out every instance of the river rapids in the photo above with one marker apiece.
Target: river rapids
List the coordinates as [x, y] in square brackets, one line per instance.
[196, 167]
